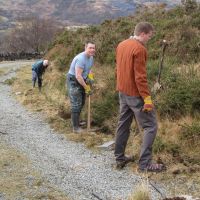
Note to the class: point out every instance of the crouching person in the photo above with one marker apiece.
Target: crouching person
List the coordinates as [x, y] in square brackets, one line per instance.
[38, 69]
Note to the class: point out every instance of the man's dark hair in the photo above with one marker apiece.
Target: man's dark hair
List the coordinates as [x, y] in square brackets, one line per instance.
[143, 27]
[88, 42]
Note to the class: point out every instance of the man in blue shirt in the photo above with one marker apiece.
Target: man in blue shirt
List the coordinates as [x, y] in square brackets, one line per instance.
[78, 88]
[38, 69]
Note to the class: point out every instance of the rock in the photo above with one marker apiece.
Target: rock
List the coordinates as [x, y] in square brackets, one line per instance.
[18, 93]
[187, 197]
[107, 145]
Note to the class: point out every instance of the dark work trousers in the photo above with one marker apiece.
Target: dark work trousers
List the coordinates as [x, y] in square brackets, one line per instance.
[129, 107]
[77, 97]
[35, 78]
[76, 93]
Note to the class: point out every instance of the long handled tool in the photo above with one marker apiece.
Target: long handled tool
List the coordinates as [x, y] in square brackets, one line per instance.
[157, 85]
[164, 42]
[88, 116]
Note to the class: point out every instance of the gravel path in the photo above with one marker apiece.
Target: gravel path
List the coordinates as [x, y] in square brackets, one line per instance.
[69, 166]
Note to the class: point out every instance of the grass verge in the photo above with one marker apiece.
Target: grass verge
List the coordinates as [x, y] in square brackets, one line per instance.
[53, 104]
[18, 180]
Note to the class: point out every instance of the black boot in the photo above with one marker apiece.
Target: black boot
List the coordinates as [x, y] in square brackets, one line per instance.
[34, 83]
[75, 122]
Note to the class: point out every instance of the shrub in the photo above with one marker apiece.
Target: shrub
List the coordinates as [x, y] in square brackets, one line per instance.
[159, 145]
[62, 63]
[181, 96]
[173, 149]
[189, 5]
[63, 38]
[191, 132]
[105, 108]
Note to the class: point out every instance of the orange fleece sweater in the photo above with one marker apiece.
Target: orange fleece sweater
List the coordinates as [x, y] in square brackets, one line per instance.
[131, 57]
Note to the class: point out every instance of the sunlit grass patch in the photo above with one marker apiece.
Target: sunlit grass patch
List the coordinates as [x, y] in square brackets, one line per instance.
[23, 181]
[3, 71]
[141, 192]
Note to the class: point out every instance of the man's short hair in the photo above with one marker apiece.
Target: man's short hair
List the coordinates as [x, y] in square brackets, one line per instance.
[143, 27]
[88, 42]
[45, 63]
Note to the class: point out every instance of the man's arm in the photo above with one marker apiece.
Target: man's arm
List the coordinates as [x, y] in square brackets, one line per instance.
[141, 80]
[141, 74]
[78, 72]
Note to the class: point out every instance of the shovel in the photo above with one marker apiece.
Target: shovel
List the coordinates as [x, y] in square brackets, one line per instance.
[88, 116]
[157, 86]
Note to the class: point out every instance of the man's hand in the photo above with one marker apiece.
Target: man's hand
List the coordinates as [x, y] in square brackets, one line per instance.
[148, 105]
[90, 78]
[88, 90]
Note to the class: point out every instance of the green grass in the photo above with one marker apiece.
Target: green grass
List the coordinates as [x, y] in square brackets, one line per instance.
[181, 95]
[191, 133]
[10, 81]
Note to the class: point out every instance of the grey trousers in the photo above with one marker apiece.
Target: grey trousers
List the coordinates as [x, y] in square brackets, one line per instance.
[129, 107]
[35, 78]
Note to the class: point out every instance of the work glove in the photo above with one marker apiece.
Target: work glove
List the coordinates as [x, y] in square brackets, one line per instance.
[90, 78]
[148, 105]
[88, 90]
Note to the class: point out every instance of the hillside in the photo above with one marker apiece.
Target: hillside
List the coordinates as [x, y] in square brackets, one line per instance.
[177, 103]
[73, 12]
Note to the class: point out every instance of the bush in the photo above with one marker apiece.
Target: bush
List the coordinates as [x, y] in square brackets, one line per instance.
[173, 149]
[62, 63]
[159, 145]
[191, 132]
[181, 96]
[105, 108]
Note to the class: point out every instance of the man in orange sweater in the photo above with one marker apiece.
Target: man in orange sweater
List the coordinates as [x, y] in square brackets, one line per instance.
[135, 99]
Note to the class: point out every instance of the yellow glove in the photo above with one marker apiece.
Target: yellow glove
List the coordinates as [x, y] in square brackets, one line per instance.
[88, 90]
[148, 105]
[90, 78]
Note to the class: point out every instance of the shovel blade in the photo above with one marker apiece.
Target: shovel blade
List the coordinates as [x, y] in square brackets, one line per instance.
[157, 86]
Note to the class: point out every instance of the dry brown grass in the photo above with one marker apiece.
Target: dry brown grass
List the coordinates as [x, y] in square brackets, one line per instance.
[188, 69]
[142, 191]
[3, 71]
[18, 179]
[181, 177]
[53, 104]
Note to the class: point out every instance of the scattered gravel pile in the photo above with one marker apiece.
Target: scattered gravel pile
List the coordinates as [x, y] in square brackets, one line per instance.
[71, 167]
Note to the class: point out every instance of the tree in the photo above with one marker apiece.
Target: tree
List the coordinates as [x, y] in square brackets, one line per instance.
[32, 34]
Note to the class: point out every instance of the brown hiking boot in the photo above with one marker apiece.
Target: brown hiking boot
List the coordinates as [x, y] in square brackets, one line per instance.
[153, 167]
[122, 163]
[78, 130]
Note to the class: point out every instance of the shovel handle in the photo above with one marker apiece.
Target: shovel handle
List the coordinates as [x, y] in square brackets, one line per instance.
[88, 116]
[161, 61]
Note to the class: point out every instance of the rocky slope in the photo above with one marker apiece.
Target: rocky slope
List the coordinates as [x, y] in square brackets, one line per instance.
[70, 12]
